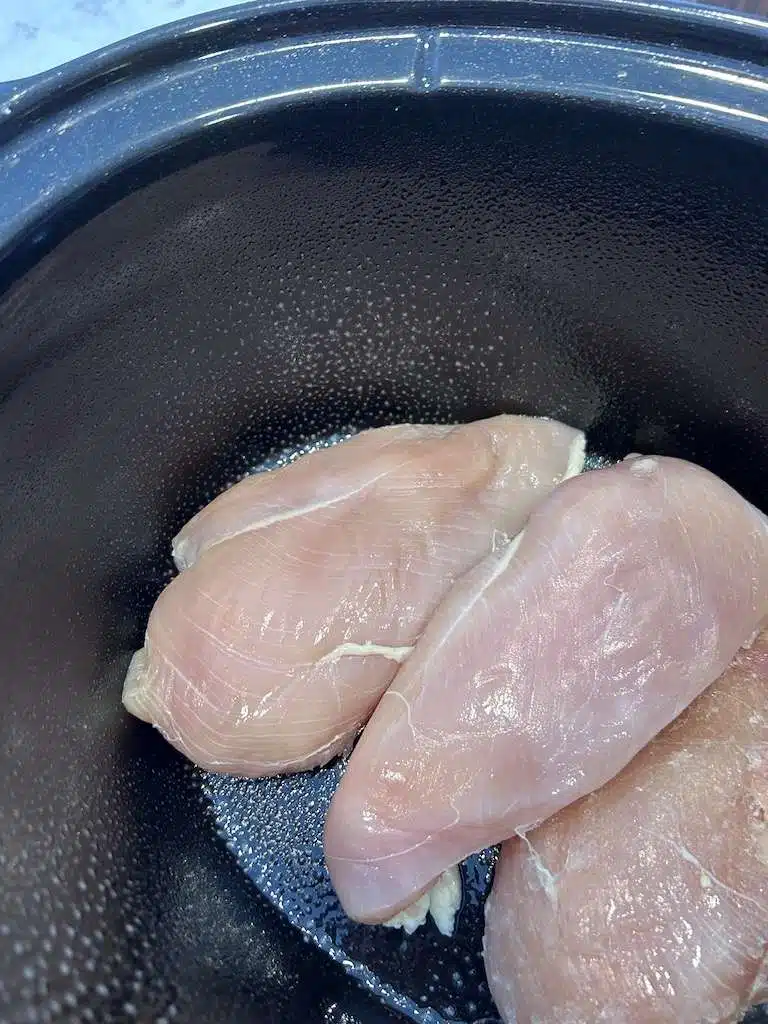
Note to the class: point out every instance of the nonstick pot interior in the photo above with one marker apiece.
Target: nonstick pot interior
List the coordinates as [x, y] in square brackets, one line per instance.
[356, 262]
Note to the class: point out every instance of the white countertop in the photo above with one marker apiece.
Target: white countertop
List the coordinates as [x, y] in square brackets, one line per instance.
[36, 35]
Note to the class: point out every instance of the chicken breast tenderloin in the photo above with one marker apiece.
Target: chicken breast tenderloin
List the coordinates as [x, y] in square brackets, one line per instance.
[648, 900]
[545, 670]
[302, 590]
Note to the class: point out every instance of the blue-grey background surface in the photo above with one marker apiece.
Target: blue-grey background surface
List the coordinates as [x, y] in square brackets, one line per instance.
[36, 35]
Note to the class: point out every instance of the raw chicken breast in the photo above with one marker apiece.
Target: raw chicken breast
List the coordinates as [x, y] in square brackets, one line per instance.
[302, 590]
[545, 670]
[648, 901]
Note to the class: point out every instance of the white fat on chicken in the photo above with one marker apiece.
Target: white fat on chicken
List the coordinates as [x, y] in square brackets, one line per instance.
[441, 903]
[365, 650]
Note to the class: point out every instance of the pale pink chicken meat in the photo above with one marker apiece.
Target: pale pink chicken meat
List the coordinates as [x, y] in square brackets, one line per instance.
[545, 670]
[302, 590]
[648, 900]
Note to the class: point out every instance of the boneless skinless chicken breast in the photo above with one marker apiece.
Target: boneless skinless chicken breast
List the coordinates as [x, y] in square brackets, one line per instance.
[545, 670]
[302, 590]
[648, 901]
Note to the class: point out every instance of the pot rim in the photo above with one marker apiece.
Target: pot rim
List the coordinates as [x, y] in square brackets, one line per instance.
[691, 21]
[82, 123]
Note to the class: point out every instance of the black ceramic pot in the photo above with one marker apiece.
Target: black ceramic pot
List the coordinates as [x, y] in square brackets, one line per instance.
[283, 220]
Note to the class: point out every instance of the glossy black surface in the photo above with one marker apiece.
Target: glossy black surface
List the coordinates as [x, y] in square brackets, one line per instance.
[205, 255]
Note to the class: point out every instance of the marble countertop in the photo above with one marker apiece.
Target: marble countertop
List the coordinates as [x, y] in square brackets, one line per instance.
[36, 35]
